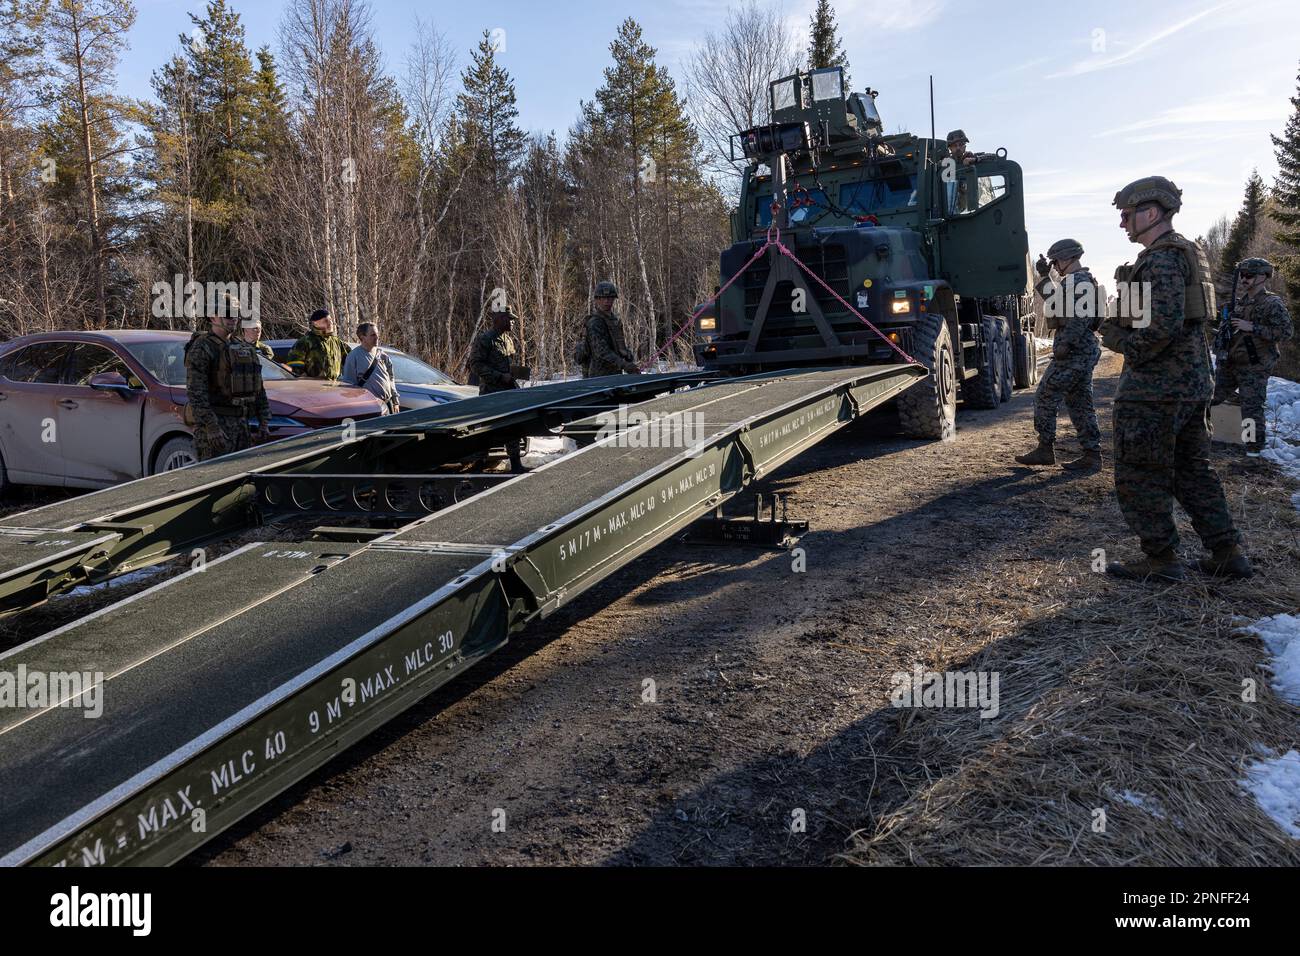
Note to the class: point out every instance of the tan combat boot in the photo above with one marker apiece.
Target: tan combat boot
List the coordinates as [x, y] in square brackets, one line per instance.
[1088, 461]
[1164, 567]
[1044, 454]
[1230, 562]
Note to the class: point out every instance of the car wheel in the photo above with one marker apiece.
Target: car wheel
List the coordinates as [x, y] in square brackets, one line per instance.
[175, 453]
[4, 478]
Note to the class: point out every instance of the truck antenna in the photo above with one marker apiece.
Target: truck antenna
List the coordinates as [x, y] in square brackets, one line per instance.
[932, 106]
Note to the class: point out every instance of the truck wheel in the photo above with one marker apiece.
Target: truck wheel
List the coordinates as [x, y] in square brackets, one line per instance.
[1025, 347]
[175, 453]
[985, 389]
[929, 408]
[1008, 360]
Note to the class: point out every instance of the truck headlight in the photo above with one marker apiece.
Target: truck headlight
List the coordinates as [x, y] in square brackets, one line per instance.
[708, 323]
[900, 306]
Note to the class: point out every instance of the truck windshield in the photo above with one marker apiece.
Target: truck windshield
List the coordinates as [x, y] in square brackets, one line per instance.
[807, 205]
[877, 194]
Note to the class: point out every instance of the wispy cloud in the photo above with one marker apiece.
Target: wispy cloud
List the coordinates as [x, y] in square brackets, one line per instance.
[892, 15]
[1237, 106]
[1102, 62]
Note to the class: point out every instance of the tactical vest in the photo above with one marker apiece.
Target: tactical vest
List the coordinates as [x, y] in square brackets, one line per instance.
[1198, 294]
[243, 370]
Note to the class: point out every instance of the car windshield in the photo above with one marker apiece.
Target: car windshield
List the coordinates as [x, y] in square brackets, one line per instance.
[408, 370]
[165, 361]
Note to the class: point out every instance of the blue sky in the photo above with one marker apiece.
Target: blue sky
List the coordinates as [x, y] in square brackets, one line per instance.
[1085, 97]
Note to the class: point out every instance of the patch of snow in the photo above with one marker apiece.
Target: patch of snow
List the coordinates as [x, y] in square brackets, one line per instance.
[1275, 785]
[1282, 414]
[134, 577]
[1281, 635]
[542, 450]
[1143, 802]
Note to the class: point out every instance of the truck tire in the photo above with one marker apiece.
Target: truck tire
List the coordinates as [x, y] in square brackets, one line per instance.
[985, 389]
[1026, 350]
[929, 408]
[1008, 360]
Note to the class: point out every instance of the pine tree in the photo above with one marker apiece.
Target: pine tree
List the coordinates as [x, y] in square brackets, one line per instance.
[488, 116]
[1244, 229]
[1285, 208]
[824, 47]
[86, 37]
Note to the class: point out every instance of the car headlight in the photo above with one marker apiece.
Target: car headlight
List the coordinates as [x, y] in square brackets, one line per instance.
[708, 323]
[282, 421]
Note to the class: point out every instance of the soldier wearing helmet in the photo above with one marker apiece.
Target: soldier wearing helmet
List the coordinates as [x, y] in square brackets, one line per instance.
[957, 143]
[1073, 307]
[1258, 323]
[606, 348]
[1162, 437]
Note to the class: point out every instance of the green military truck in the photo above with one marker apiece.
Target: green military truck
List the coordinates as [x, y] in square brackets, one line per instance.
[933, 253]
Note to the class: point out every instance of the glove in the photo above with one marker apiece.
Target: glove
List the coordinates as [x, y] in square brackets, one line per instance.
[1113, 337]
[263, 433]
[213, 437]
[1043, 267]
[631, 368]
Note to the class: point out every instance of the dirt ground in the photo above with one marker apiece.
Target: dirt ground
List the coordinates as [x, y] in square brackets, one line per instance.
[772, 690]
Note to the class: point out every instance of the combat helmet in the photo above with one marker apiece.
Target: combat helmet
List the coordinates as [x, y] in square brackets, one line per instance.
[1154, 189]
[1064, 249]
[605, 290]
[956, 136]
[1255, 266]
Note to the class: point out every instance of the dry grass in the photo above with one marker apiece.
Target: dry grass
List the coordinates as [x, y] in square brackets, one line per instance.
[1109, 689]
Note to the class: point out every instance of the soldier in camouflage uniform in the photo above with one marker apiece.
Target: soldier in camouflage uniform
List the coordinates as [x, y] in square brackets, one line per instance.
[491, 362]
[1259, 324]
[320, 353]
[251, 331]
[607, 351]
[1162, 437]
[223, 381]
[1074, 355]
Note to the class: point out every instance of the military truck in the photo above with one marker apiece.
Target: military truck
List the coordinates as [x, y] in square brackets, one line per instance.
[932, 252]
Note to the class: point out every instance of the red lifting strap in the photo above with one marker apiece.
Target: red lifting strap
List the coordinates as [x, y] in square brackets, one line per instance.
[774, 241]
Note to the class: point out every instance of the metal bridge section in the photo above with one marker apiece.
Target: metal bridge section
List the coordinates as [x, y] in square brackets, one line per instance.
[226, 685]
[62, 545]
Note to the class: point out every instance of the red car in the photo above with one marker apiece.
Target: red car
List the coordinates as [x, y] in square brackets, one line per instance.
[91, 409]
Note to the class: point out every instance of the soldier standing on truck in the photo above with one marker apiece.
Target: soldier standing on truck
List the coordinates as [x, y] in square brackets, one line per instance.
[606, 348]
[491, 363]
[224, 387]
[1258, 324]
[1074, 309]
[320, 353]
[1162, 437]
[957, 143]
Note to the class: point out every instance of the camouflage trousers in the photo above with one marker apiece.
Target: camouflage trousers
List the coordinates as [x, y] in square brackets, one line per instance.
[1250, 383]
[1071, 385]
[1162, 453]
[233, 436]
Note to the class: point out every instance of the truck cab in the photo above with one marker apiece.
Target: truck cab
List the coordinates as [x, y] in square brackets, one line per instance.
[882, 228]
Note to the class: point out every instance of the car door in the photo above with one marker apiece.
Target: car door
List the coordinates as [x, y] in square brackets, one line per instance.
[99, 430]
[29, 412]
